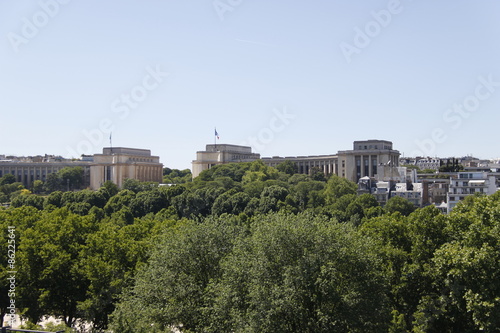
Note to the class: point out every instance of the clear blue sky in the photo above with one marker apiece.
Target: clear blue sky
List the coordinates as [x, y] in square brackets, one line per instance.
[69, 66]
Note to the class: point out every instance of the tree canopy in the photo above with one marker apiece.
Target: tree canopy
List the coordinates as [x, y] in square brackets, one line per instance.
[250, 248]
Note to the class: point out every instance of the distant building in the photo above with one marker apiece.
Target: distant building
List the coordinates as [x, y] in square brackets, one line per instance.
[305, 164]
[371, 158]
[428, 163]
[27, 169]
[221, 154]
[435, 191]
[412, 193]
[382, 192]
[117, 164]
[469, 183]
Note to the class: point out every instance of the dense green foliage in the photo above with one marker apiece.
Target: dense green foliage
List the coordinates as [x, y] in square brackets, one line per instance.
[249, 248]
[175, 176]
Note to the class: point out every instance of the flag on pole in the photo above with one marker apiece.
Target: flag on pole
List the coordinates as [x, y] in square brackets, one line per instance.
[216, 134]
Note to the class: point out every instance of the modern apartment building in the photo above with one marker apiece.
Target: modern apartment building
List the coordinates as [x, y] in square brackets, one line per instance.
[465, 184]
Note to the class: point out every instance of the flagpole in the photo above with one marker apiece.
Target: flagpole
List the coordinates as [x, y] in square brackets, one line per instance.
[215, 138]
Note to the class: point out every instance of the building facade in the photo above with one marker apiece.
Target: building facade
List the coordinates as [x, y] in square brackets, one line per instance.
[370, 158]
[413, 193]
[221, 154]
[28, 169]
[117, 164]
[305, 164]
[465, 184]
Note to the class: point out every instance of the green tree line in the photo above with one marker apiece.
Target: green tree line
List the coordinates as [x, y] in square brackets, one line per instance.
[249, 248]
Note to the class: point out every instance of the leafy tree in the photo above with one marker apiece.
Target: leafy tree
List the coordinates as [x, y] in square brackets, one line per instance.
[308, 194]
[11, 190]
[53, 183]
[168, 291]
[288, 275]
[28, 200]
[111, 188]
[464, 271]
[148, 202]
[72, 177]
[118, 201]
[51, 282]
[401, 205]
[54, 198]
[109, 261]
[361, 206]
[317, 174]
[80, 208]
[235, 171]
[297, 178]
[37, 186]
[287, 167]
[175, 176]
[137, 186]
[271, 198]
[230, 202]
[197, 203]
[7, 179]
[337, 187]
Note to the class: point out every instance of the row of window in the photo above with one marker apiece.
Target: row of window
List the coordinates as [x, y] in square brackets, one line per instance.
[467, 190]
[361, 147]
[136, 159]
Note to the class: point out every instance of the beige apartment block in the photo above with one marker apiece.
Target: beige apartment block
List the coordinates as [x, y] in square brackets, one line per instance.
[117, 164]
